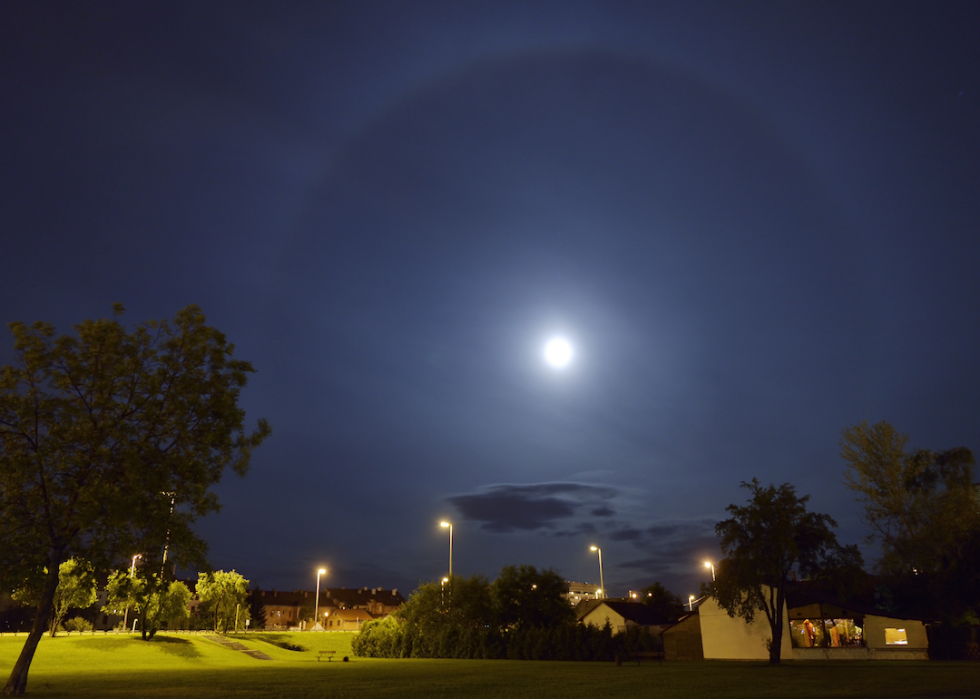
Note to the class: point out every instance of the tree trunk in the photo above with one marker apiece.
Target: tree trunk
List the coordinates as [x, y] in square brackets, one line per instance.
[776, 626]
[17, 684]
[776, 645]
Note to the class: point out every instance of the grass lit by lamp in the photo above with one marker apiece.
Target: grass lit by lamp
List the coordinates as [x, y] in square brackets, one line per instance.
[181, 665]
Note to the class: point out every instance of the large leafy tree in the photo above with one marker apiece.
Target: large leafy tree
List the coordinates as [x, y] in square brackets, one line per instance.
[923, 510]
[224, 595]
[110, 443]
[768, 542]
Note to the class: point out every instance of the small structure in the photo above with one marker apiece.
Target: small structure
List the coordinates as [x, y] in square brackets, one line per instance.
[620, 615]
[815, 627]
[347, 619]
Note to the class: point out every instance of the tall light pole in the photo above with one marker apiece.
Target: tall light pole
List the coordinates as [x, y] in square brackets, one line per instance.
[709, 564]
[690, 599]
[448, 524]
[602, 583]
[132, 574]
[316, 602]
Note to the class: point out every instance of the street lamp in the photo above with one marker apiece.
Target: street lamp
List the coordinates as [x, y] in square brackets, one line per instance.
[132, 573]
[447, 524]
[690, 599]
[316, 602]
[602, 583]
[709, 564]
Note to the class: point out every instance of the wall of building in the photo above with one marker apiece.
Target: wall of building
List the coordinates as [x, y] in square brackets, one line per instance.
[682, 641]
[602, 614]
[727, 638]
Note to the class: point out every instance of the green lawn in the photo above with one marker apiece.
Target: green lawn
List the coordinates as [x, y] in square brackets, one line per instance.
[185, 666]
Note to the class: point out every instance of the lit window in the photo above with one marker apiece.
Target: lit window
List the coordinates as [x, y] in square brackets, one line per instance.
[896, 637]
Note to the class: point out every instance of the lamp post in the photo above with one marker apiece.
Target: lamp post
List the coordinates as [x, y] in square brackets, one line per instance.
[132, 573]
[448, 524]
[602, 583]
[316, 602]
[709, 564]
[690, 599]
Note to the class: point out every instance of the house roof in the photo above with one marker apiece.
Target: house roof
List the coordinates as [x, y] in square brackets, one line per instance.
[804, 594]
[585, 607]
[339, 597]
[637, 612]
[352, 615]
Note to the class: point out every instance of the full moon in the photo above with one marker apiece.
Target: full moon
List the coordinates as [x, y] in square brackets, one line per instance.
[558, 352]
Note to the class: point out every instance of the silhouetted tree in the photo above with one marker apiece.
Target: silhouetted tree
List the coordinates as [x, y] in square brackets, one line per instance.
[765, 542]
[663, 601]
[525, 598]
[923, 509]
[255, 608]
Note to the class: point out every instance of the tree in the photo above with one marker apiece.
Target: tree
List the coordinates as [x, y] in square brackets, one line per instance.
[154, 600]
[525, 598]
[225, 596]
[767, 541]
[110, 442]
[124, 591]
[167, 605]
[436, 614]
[663, 601]
[76, 588]
[923, 509]
[256, 611]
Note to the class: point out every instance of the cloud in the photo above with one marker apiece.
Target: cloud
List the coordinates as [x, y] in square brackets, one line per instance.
[628, 534]
[505, 508]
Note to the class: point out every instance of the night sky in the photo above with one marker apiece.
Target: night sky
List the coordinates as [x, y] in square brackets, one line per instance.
[756, 222]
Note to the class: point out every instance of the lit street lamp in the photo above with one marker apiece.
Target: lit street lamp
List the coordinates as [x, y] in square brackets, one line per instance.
[690, 599]
[447, 524]
[132, 573]
[709, 564]
[316, 602]
[602, 583]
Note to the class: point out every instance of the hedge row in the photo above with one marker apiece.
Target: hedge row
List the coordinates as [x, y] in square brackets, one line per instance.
[389, 638]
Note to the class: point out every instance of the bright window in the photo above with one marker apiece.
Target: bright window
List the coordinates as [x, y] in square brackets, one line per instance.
[896, 637]
[826, 633]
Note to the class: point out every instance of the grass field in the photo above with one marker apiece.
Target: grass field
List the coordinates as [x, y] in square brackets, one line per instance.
[187, 666]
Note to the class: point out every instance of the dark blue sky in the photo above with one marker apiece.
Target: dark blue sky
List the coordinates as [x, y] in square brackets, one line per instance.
[756, 221]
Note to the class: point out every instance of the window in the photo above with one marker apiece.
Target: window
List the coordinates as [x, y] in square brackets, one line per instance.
[826, 633]
[896, 637]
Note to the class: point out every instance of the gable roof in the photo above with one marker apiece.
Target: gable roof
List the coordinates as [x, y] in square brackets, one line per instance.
[637, 612]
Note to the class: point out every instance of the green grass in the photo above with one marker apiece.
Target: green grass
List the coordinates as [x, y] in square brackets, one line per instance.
[182, 666]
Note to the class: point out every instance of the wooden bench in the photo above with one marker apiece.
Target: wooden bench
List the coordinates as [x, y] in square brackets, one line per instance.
[657, 655]
[328, 653]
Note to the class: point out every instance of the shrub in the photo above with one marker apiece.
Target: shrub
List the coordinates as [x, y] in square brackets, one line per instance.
[78, 624]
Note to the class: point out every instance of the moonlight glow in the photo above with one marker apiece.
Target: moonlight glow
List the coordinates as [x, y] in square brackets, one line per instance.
[558, 352]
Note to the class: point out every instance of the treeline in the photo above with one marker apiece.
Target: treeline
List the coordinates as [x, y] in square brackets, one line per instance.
[522, 615]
